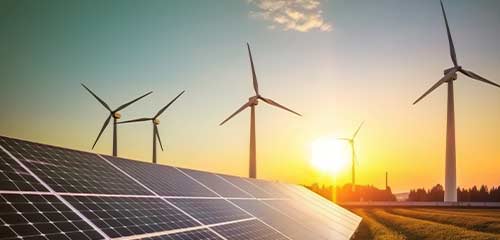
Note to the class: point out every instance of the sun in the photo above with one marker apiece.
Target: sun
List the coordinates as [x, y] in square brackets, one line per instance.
[329, 155]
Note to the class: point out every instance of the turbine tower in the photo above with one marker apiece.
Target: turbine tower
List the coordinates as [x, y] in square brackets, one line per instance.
[252, 102]
[450, 75]
[155, 121]
[112, 114]
[353, 153]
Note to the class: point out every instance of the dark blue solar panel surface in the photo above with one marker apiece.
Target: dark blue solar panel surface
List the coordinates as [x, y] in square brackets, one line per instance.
[14, 178]
[40, 217]
[216, 183]
[71, 171]
[201, 234]
[251, 230]
[210, 211]
[163, 180]
[125, 216]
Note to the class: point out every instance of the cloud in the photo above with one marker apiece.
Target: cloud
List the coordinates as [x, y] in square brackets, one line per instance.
[296, 15]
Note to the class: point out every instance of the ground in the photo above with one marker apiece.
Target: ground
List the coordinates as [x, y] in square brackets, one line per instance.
[427, 223]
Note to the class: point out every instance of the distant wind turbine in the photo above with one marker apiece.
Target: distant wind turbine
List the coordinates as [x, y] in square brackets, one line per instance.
[450, 75]
[353, 153]
[155, 121]
[112, 114]
[252, 102]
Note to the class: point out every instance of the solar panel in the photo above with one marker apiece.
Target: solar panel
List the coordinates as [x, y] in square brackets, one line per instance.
[125, 216]
[252, 229]
[14, 177]
[48, 192]
[217, 184]
[71, 171]
[204, 234]
[210, 211]
[163, 180]
[40, 216]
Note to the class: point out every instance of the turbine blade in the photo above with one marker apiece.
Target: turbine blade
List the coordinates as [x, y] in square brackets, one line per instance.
[237, 111]
[168, 105]
[102, 130]
[96, 97]
[271, 102]
[133, 101]
[136, 120]
[158, 136]
[344, 139]
[356, 133]
[437, 84]
[477, 77]
[450, 40]
[255, 83]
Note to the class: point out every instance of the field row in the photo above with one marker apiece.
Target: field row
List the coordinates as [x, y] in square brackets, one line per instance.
[428, 223]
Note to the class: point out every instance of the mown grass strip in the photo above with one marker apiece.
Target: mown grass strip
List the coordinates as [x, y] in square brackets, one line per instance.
[419, 229]
[477, 223]
[371, 229]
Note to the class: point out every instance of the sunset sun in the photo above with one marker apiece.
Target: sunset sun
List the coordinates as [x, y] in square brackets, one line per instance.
[329, 155]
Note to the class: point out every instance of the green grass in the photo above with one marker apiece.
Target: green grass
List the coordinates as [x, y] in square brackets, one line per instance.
[427, 223]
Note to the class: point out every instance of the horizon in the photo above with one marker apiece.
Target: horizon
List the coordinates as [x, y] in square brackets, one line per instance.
[369, 68]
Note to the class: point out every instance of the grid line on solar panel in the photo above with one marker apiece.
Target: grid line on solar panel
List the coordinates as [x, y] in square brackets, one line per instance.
[14, 177]
[294, 228]
[69, 170]
[216, 184]
[253, 229]
[268, 187]
[210, 211]
[161, 179]
[41, 216]
[122, 216]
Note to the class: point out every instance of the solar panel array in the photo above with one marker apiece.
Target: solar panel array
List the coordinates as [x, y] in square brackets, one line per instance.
[48, 192]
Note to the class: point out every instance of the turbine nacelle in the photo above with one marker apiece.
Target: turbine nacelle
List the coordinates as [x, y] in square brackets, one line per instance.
[156, 121]
[253, 101]
[117, 115]
[454, 76]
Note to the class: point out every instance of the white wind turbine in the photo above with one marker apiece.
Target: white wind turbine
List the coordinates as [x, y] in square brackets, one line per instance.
[450, 75]
[252, 102]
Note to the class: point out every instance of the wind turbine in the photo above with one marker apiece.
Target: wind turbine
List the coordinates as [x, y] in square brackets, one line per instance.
[353, 153]
[112, 114]
[155, 121]
[450, 75]
[252, 102]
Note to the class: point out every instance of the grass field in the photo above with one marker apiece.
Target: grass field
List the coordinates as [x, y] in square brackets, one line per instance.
[427, 223]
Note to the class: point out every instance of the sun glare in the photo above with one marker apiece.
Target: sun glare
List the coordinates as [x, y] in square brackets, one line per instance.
[329, 155]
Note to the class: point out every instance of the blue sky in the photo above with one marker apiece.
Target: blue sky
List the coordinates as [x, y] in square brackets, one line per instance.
[343, 62]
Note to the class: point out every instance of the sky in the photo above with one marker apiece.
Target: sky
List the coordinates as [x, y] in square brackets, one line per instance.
[336, 62]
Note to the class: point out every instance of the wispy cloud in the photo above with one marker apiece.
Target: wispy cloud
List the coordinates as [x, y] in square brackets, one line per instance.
[296, 15]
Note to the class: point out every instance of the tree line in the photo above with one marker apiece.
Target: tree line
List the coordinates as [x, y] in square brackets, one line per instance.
[473, 194]
[348, 193]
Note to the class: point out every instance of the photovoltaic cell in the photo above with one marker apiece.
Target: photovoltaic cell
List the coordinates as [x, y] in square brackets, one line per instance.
[210, 211]
[251, 230]
[125, 216]
[14, 178]
[201, 234]
[216, 183]
[247, 186]
[293, 228]
[40, 217]
[71, 171]
[271, 188]
[163, 180]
